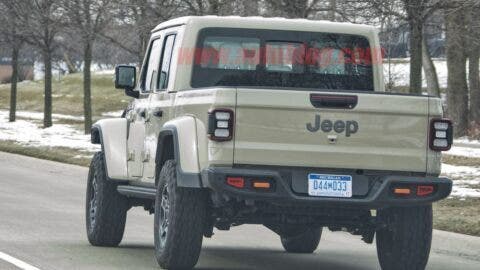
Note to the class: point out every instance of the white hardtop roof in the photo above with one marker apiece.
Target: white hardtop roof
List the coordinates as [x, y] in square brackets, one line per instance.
[265, 23]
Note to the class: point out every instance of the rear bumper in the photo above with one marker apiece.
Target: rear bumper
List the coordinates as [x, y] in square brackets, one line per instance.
[369, 191]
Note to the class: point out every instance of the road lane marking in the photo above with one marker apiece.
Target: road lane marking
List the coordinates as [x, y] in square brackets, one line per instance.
[18, 263]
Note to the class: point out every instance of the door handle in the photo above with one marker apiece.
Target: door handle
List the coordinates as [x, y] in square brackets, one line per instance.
[334, 101]
[143, 113]
[130, 116]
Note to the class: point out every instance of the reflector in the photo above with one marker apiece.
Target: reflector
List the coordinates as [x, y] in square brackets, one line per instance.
[263, 185]
[237, 182]
[402, 191]
[425, 190]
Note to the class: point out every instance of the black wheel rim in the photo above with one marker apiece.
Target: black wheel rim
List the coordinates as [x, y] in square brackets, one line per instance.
[93, 203]
[163, 217]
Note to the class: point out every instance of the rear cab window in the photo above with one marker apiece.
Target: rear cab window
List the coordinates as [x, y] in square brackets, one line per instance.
[166, 62]
[282, 59]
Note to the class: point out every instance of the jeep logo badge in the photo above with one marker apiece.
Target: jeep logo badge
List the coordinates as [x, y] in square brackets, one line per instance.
[339, 126]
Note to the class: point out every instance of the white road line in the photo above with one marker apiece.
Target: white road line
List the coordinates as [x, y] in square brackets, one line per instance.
[20, 264]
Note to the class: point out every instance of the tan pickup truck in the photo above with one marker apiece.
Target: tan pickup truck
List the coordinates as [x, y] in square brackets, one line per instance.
[282, 123]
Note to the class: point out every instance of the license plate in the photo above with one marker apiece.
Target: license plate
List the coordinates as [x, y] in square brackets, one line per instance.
[329, 185]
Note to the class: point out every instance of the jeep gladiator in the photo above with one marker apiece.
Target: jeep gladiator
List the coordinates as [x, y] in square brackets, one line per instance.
[277, 122]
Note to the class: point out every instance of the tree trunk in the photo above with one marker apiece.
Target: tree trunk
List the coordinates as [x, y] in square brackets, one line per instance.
[416, 30]
[71, 67]
[87, 84]
[214, 7]
[333, 10]
[250, 8]
[13, 89]
[457, 92]
[474, 83]
[430, 71]
[474, 55]
[47, 111]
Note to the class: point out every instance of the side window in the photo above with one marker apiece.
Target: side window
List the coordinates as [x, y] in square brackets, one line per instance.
[153, 63]
[166, 61]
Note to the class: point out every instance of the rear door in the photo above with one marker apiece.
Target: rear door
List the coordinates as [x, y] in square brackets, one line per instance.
[321, 129]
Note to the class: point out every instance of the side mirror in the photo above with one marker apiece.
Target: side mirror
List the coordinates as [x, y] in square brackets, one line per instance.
[126, 79]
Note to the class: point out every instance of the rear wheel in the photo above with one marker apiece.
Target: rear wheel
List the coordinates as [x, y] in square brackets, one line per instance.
[180, 215]
[301, 241]
[106, 209]
[405, 243]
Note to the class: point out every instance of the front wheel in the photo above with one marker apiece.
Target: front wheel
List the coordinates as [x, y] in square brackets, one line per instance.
[404, 244]
[106, 209]
[180, 215]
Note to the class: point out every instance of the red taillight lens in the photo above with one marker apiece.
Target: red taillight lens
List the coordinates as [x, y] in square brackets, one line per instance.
[423, 191]
[441, 134]
[237, 182]
[220, 125]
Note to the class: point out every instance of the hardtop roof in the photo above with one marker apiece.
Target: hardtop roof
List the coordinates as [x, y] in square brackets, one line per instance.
[264, 23]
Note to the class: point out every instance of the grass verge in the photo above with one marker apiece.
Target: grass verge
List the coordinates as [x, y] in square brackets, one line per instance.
[67, 95]
[460, 216]
[59, 154]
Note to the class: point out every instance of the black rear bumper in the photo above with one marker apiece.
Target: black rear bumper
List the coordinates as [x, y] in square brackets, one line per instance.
[369, 191]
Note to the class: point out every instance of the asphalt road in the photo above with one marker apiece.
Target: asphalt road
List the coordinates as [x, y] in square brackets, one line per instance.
[42, 224]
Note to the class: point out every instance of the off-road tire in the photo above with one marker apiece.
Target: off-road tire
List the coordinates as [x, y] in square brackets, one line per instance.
[180, 247]
[305, 242]
[405, 243]
[109, 217]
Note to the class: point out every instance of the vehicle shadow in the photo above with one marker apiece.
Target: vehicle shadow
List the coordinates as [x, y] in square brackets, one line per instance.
[141, 256]
[213, 258]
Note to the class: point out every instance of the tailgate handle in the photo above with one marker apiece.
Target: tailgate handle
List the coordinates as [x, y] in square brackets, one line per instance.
[333, 101]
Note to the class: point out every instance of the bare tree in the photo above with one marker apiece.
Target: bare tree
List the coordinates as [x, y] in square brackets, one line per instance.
[415, 13]
[11, 36]
[473, 56]
[88, 18]
[298, 8]
[40, 21]
[430, 71]
[457, 93]
[415, 10]
[332, 13]
[135, 19]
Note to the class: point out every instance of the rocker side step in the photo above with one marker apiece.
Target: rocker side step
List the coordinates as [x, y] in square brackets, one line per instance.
[137, 192]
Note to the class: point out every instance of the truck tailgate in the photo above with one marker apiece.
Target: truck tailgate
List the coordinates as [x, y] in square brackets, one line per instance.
[283, 127]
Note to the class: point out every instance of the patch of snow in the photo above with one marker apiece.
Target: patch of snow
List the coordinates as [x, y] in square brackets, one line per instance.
[465, 192]
[470, 152]
[30, 134]
[60, 68]
[105, 72]
[457, 171]
[39, 116]
[82, 156]
[467, 141]
[400, 72]
[464, 178]
[113, 114]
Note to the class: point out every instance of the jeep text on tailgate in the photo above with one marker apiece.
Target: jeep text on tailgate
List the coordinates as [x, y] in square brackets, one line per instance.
[282, 123]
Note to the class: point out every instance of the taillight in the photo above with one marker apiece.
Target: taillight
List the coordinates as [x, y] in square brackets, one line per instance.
[220, 125]
[237, 182]
[441, 134]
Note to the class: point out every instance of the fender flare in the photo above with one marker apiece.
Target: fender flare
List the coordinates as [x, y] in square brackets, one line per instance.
[111, 134]
[188, 173]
